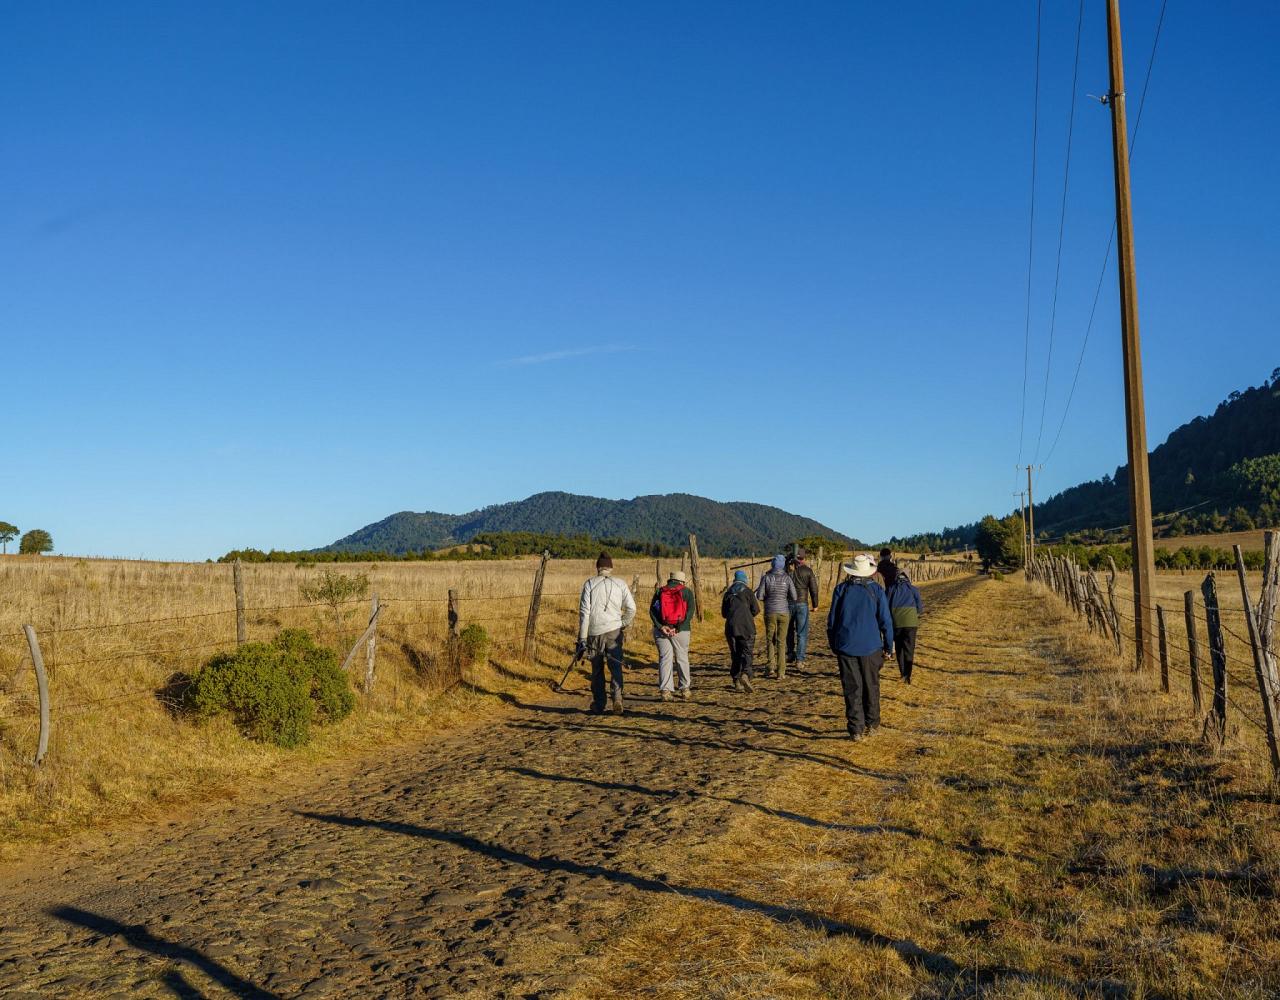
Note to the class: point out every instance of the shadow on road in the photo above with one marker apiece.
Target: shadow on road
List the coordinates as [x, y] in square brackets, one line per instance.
[142, 939]
[931, 961]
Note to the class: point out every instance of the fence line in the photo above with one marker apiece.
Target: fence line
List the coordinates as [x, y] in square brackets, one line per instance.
[1080, 591]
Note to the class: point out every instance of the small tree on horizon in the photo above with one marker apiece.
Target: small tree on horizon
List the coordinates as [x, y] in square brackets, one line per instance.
[8, 532]
[35, 542]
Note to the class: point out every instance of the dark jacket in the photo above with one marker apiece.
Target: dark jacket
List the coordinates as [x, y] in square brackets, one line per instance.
[739, 609]
[859, 621]
[777, 592]
[655, 610]
[905, 603]
[806, 584]
[888, 570]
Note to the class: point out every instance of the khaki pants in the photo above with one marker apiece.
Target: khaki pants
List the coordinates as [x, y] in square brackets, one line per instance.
[775, 643]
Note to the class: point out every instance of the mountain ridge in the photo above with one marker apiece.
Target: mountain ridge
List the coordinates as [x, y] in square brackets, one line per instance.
[722, 527]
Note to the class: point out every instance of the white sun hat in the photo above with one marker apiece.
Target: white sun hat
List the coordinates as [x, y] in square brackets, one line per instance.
[862, 565]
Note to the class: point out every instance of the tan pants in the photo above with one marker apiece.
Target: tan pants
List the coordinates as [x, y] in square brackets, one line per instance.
[775, 643]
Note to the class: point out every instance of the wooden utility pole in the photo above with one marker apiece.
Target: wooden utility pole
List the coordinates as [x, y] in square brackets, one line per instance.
[1022, 506]
[1031, 519]
[1144, 560]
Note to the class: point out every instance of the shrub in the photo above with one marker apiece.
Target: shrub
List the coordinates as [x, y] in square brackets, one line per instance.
[274, 690]
[473, 642]
[335, 590]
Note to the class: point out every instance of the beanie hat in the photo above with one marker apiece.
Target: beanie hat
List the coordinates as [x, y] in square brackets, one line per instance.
[604, 562]
[740, 575]
[779, 562]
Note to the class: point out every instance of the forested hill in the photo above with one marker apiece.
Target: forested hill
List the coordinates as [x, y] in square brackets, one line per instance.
[722, 528]
[1216, 473]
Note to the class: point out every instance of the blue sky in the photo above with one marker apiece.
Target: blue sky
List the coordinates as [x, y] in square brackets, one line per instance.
[274, 271]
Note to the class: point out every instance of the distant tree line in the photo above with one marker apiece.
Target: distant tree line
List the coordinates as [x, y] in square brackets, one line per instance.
[487, 545]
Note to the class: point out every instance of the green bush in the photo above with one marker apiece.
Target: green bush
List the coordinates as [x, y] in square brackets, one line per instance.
[473, 642]
[274, 690]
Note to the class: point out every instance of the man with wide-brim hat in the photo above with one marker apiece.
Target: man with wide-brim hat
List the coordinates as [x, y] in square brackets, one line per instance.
[860, 632]
[671, 612]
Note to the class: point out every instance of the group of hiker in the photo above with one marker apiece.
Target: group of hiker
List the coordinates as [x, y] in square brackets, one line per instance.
[874, 614]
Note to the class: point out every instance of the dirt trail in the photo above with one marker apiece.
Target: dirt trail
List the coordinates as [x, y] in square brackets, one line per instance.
[492, 862]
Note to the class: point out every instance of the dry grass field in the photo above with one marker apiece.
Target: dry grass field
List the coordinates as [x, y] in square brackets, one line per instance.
[1247, 540]
[114, 632]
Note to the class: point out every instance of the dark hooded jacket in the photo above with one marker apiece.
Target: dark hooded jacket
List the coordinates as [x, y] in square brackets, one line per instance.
[739, 609]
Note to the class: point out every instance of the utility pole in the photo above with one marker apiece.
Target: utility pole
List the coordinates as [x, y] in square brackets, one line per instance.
[1031, 518]
[1144, 566]
[1022, 506]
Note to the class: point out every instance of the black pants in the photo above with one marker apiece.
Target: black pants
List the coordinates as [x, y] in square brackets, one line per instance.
[904, 641]
[740, 651]
[860, 678]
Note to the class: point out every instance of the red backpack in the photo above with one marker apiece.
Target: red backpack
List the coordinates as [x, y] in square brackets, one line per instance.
[672, 607]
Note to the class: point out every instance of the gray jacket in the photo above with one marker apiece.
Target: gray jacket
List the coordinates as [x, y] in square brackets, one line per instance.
[777, 592]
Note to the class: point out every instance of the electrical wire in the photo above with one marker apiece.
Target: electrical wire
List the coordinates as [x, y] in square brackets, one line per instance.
[1062, 229]
[1031, 237]
[1106, 258]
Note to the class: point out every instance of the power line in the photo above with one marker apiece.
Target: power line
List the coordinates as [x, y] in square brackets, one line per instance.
[1106, 258]
[1062, 229]
[1031, 237]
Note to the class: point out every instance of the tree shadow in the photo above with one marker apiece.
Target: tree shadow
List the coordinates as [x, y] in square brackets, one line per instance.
[933, 962]
[863, 829]
[732, 746]
[142, 939]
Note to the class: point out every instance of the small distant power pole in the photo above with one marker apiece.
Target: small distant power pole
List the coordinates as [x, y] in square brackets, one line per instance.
[1144, 564]
[1022, 506]
[1031, 518]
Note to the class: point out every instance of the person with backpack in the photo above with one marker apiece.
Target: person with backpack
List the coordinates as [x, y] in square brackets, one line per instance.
[887, 569]
[672, 613]
[777, 593]
[806, 585]
[739, 609]
[605, 610]
[905, 606]
[860, 631]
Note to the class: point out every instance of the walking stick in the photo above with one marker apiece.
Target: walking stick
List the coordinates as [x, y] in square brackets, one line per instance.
[559, 688]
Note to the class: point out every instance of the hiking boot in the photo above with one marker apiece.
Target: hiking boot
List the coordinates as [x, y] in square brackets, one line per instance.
[737, 684]
[616, 706]
[747, 686]
[685, 694]
[857, 737]
[668, 696]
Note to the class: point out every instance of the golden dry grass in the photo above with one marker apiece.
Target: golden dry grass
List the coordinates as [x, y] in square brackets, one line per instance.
[1039, 821]
[114, 631]
[1247, 540]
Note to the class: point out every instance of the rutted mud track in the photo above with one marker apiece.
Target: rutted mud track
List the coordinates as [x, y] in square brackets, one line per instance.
[489, 862]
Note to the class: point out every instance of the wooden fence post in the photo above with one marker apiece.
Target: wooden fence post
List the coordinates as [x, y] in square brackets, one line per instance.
[697, 576]
[370, 649]
[1217, 717]
[42, 687]
[1164, 649]
[364, 638]
[453, 613]
[726, 574]
[1193, 649]
[535, 603]
[237, 578]
[657, 573]
[1114, 611]
[1269, 602]
[1263, 665]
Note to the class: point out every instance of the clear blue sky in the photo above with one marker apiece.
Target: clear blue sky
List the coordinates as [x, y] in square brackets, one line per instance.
[274, 271]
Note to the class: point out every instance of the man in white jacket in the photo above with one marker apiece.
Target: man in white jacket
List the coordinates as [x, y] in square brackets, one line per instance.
[604, 612]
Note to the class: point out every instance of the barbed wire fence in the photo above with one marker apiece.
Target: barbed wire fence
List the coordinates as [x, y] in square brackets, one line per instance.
[427, 631]
[1230, 635]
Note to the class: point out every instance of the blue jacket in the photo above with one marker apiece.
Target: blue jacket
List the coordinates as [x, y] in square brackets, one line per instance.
[859, 621]
[905, 604]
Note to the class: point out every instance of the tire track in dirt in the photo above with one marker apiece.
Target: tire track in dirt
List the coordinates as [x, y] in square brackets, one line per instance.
[487, 862]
